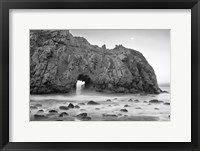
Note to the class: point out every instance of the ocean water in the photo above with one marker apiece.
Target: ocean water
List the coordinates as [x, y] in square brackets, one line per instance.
[137, 111]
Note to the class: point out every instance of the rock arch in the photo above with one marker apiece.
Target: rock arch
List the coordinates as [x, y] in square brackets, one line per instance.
[58, 60]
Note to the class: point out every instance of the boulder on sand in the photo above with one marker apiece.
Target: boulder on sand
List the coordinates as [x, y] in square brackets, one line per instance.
[124, 110]
[63, 108]
[63, 114]
[39, 116]
[166, 103]
[40, 111]
[71, 106]
[33, 107]
[84, 117]
[92, 103]
[127, 105]
[76, 106]
[53, 111]
[136, 101]
[155, 101]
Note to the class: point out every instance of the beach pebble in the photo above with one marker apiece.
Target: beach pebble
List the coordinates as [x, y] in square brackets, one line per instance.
[92, 103]
[109, 115]
[71, 106]
[83, 116]
[40, 111]
[145, 102]
[136, 101]
[53, 111]
[124, 110]
[81, 103]
[77, 107]
[63, 108]
[63, 114]
[38, 105]
[155, 101]
[109, 100]
[33, 107]
[39, 116]
[115, 99]
[156, 108]
[130, 100]
[127, 105]
[138, 108]
[97, 108]
[169, 116]
[166, 103]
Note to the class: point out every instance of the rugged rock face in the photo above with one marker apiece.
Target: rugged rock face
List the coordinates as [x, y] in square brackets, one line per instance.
[58, 60]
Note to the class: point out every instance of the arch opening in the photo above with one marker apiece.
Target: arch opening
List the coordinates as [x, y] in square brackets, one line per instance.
[83, 82]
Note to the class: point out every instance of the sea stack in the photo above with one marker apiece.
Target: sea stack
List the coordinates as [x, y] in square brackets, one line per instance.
[58, 59]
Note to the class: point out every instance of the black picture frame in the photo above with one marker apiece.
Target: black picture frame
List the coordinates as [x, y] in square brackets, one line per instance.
[5, 5]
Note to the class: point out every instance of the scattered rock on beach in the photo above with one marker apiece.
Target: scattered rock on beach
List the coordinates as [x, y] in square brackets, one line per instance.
[155, 101]
[40, 111]
[169, 116]
[77, 107]
[63, 114]
[156, 108]
[115, 99]
[109, 100]
[33, 107]
[97, 108]
[83, 116]
[92, 103]
[81, 103]
[124, 110]
[71, 106]
[38, 105]
[39, 116]
[166, 103]
[109, 115]
[127, 105]
[136, 101]
[53, 111]
[63, 108]
[145, 102]
[138, 108]
[130, 100]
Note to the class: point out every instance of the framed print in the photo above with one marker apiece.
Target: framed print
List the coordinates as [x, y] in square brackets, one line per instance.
[99, 75]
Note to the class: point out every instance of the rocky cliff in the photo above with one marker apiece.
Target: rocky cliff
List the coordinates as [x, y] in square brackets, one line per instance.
[58, 60]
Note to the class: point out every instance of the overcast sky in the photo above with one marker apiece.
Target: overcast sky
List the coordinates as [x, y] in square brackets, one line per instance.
[153, 44]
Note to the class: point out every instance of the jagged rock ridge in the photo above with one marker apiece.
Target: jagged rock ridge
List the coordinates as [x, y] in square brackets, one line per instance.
[58, 60]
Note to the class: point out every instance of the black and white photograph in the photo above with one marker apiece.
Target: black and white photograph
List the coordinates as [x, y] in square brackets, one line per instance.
[100, 75]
